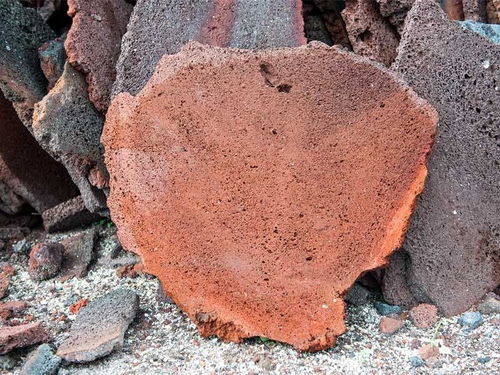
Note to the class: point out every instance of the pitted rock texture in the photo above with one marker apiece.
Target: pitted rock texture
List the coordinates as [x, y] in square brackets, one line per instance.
[68, 215]
[21, 336]
[453, 8]
[395, 11]
[371, 35]
[52, 58]
[257, 218]
[26, 170]
[163, 27]
[100, 326]
[68, 126]
[93, 43]
[493, 11]
[475, 10]
[453, 241]
[22, 32]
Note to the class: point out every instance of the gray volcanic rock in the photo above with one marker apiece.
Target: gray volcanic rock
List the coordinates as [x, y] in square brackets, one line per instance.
[41, 361]
[27, 172]
[78, 253]
[68, 215]
[22, 31]
[453, 242]
[69, 127]
[159, 27]
[100, 327]
[52, 59]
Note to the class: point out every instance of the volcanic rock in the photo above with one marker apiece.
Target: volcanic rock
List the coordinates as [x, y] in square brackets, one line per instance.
[471, 320]
[26, 169]
[21, 336]
[371, 35]
[490, 305]
[68, 126]
[453, 240]
[163, 27]
[331, 15]
[45, 260]
[390, 325]
[395, 286]
[22, 32]
[6, 273]
[68, 215]
[100, 327]
[453, 8]
[11, 308]
[52, 58]
[277, 243]
[384, 309]
[493, 11]
[93, 43]
[314, 24]
[475, 10]
[428, 351]
[78, 253]
[491, 32]
[395, 11]
[424, 315]
[41, 361]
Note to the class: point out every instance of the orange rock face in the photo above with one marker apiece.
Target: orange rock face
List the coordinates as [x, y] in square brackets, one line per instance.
[257, 186]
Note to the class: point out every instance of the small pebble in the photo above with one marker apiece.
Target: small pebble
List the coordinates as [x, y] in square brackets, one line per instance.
[471, 320]
[490, 305]
[416, 361]
[484, 360]
[385, 309]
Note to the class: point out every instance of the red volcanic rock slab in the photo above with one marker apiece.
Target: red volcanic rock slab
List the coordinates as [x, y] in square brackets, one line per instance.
[93, 43]
[21, 336]
[159, 27]
[258, 191]
[452, 246]
[27, 170]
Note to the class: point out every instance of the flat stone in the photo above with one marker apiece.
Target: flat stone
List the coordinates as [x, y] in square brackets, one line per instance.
[100, 327]
[41, 361]
[385, 309]
[22, 32]
[93, 43]
[26, 169]
[68, 215]
[52, 59]
[21, 336]
[370, 34]
[389, 325]
[490, 305]
[45, 260]
[424, 315]
[453, 242]
[163, 27]
[471, 320]
[69, 127]
[233, 207]
[491, 32]
[78, 253]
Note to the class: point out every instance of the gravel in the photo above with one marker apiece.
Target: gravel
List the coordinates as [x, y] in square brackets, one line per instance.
[162, 340]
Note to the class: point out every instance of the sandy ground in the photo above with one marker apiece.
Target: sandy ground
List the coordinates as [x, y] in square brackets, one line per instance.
[162, 340]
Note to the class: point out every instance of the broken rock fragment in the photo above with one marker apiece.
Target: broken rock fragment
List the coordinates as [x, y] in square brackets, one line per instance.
[163, 27]
[68, 215]
[93, 43]
[52, 58]
[100, 326]
[45, 260]
[452, 244]
[78, 253]
[292, 195]
[68, 126]
[21, 336]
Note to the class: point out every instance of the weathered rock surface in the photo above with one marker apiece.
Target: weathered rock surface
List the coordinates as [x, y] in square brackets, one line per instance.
[26, 169]
[370, 34]
[331, 15]
[68, 215]
[493, 11]
[11, 309]
[52, 59]
[78, 253]
[100, 327]
[475, 10]
[453, 8]
[21, 336]
[22, 32]
[41, 361]
[395, 11]
[276, 244]
[424, 315]
[163, 27]
[491, 32]
[68, 126]
[390, 325]
[6, 273]
[453, 240]
[93, 43]
[45, 260]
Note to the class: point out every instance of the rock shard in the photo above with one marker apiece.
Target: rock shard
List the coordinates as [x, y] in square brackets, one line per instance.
[452, 246]
[93, 43]
[257, 218]
[159, 27]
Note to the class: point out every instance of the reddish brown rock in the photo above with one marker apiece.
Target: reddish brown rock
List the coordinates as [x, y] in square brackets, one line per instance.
[395, 11]
[52, 58]
[93, 43]
[68, 215]
[6, 273]
[370, 34]
[424, 315]
[234, 207]
[453, 245]
[11, 308]
[78, 253]
[21, 336]
[454, 9]
[475, 10]
[26, 170]
[428, 351]
[163, 27]
[493, 11]
[75, 308]
[45, 260]
[390, 325]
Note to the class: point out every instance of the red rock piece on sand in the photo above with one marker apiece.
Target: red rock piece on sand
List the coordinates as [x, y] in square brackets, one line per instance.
[258, 185]
[93, 43]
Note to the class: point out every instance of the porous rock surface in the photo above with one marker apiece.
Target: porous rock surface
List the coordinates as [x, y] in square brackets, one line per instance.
[26, 170]
[257, 218]
[370, 34]
[93, 43]
[68, 126]
[68, 215]
[163, 27]
[452, 245]
[21, 336]
[100, 326]
[22, 32]
[77, 254]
